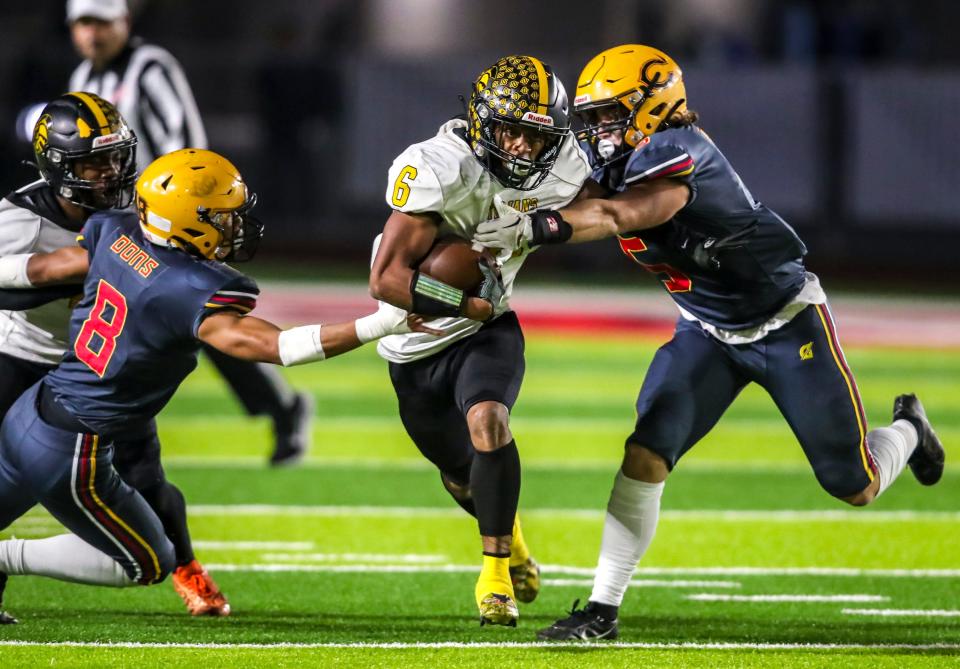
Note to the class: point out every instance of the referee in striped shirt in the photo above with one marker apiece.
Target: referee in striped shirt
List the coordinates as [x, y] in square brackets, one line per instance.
[148, 86]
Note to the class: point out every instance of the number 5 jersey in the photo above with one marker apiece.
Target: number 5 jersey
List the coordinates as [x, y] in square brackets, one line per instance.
[728, 261]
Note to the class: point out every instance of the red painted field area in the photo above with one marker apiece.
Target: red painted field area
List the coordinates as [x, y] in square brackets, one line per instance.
[861, 320]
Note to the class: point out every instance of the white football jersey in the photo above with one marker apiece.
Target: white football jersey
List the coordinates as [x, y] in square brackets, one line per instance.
[37, 335]
[442, 176]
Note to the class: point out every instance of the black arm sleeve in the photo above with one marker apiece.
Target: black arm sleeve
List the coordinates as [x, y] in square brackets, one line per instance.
[18, 299]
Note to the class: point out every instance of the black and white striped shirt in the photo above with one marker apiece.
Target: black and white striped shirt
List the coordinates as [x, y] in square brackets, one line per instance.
[148, 86]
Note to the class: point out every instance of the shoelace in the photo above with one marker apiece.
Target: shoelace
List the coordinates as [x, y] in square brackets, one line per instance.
[202, 585]
[576, 613]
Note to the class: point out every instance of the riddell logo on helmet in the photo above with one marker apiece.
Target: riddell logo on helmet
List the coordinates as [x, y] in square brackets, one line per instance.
[107, 140]
[580, 99]
[538, 118]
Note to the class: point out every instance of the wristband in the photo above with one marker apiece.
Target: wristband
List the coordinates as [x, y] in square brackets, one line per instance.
[548, 227]
[435, 298]
[13, 271]
[299, 345]
[375, 325]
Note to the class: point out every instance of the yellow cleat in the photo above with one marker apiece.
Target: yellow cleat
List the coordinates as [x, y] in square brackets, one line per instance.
[199, 592]
[496, 609]
[526, 580]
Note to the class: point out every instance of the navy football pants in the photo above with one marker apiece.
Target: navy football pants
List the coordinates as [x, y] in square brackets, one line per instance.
[71, 475]
[694, 378]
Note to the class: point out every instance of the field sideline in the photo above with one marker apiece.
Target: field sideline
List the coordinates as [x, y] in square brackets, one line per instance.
[357, 558]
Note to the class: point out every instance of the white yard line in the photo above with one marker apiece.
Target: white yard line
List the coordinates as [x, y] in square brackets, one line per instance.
[783, 516]
[766, 571]
[926, 613]
[255, 545]
[612, 645]
[608, 465]
[348, 568]
[588, 571]
[643, 583]
[708, 597]
[402, 558]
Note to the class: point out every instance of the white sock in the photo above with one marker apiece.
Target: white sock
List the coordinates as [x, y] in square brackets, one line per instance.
[891, 447]
[628, 529]
[65, 557]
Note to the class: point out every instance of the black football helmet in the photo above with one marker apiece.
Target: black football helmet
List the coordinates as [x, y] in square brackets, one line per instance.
[78, 131]
[524, 91]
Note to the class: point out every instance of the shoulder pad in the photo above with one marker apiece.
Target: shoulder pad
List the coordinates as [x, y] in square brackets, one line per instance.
[657, 156]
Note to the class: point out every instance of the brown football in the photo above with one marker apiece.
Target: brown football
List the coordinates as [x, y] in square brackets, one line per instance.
[453, 261]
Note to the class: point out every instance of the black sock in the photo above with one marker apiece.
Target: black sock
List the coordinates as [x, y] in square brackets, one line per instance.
[606, 611]
[495, 485]
[168, 503]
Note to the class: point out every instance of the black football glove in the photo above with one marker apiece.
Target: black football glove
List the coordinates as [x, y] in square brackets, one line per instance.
[706, 251]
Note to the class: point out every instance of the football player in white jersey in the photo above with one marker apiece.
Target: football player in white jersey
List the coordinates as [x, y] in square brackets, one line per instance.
[456, 390]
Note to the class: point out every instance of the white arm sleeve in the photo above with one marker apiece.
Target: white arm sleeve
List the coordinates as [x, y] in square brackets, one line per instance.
[13, 271]
[299, 345]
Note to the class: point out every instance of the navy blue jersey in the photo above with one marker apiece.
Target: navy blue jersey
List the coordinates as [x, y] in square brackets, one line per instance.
[133, 336]
[725, 258]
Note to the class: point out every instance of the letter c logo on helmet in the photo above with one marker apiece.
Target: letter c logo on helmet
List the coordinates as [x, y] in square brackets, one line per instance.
[636, 87]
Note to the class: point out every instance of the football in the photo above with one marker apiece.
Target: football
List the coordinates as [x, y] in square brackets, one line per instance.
[453, 261]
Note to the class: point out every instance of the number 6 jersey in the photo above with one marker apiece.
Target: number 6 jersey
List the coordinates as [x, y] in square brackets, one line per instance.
[133, 336]
[442, 176]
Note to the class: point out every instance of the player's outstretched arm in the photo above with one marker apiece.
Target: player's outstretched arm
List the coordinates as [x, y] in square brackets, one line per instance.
[639, 207]
[252, 338]
[21, 299]
[26, 270]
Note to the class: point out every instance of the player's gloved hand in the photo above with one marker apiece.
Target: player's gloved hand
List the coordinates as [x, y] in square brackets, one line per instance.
[513, 229]
[706, 252]
[491, 288]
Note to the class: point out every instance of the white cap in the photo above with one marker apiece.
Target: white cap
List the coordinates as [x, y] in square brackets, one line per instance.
[106, 10]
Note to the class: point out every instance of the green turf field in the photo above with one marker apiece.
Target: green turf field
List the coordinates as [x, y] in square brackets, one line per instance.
[357, 558]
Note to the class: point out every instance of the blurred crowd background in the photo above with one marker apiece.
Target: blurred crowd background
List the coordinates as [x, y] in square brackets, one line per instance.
[840, 114]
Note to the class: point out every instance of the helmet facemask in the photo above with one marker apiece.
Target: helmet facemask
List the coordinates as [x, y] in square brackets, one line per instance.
[607, 118]
[113, 189]
[240, 232]
[511, 170]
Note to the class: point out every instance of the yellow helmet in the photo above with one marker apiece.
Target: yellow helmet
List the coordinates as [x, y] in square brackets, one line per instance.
[640, 85]
[196, 200]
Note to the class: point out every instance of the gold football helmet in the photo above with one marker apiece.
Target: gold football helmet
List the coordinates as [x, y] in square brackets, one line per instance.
[196, 200]
[631, 88]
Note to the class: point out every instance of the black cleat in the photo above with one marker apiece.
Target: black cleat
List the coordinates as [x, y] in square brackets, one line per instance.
[926, 462]
[5, 618]
[293, 432]
[582, 625]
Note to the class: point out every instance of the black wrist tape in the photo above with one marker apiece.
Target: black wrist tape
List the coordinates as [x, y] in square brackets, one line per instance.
[435, 298]
[549, 227]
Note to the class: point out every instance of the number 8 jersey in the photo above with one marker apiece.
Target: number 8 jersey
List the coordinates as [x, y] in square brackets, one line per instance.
[133, 336]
